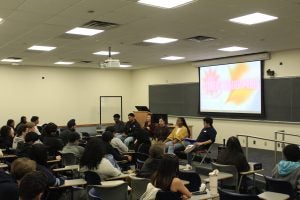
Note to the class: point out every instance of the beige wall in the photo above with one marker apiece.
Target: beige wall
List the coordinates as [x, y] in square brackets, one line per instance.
[64, 93]
[226, 128]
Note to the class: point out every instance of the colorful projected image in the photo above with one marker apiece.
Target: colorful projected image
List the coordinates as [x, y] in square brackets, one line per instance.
[231, 88]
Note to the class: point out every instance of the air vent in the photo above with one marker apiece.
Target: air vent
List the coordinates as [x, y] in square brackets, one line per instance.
[99, 25]
[201, 38]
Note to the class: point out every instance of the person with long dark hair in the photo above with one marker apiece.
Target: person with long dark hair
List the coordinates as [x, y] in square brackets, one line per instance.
[233, 155]
[166, 179]
[6, 137]
[161, 131]
[23, 120]
[175, 139]
[93, 160]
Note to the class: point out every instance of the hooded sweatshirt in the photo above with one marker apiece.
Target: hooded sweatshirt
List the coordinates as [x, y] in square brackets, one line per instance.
[288, 171]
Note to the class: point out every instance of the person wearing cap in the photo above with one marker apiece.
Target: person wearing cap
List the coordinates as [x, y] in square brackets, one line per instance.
[64, 135]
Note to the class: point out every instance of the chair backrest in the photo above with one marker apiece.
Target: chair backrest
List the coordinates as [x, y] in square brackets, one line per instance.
[69, 159]
[92, 178]
[193, 178]
[118, 192]
[280, 186]
[138, 187]
[232, 182]
[226, 195]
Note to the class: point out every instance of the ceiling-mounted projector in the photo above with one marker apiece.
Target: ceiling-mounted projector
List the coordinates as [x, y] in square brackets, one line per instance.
[111, 63]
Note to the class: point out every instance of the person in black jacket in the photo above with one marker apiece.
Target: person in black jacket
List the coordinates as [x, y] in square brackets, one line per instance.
[23, 148]
[71, 127]
[6, 137]
[233, 155]
[131, 126]
[51, 139]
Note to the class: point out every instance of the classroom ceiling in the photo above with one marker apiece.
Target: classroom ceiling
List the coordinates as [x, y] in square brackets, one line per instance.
[44, 22]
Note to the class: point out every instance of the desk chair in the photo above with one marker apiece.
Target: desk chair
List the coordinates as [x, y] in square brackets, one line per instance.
[138, 187]
[118, 192]
[226, 195]
[280, 186]
[232, 182]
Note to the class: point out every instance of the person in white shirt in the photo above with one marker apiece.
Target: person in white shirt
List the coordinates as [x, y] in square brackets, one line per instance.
[93, 160]
[20, 137]
[116, 142]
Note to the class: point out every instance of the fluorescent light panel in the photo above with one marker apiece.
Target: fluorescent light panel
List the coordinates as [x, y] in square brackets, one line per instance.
[254, 18]
[41, 48]
[1, 20]
[172, 58]
[233, 48]
[84, 31]
[105, 53]
[125, 65]
[11, 60]
[165, 3]
[161, 40]
[64, 63]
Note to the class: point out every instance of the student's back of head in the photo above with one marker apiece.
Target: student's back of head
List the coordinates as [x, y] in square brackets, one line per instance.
[233, 145]
[51, 129]
[156, 151]
[21, 166]
[291, 152]
[93, 154]
[38, 153]
[21, 129]
[32, 186]
[73, 137]
[31, 137]
[107, 136]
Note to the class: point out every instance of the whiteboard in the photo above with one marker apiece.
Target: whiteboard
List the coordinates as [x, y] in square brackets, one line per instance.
[110, 105]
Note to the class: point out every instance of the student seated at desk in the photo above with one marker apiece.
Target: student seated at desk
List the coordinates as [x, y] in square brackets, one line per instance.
[73, 145]
[119, 125]
[161, 131]
[156, 153]
[20, 137]
[22, 149]
[176, 137]
[33, 186]
[116, 142]
[93, 160]
[9, 182]
[165, 178]
[23, 120]
[6, 137]
[52, 140]
[71, 127]
[289, 169]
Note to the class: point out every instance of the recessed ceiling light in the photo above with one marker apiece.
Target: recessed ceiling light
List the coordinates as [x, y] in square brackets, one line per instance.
[254, 18]
[84, 31]
[41, 48]
[233, 48]
[172, 58]
[105, 53]
[125, 65]
[165, 3]
[11, 60]
[64, 63]
[161, 40]
[1, 20]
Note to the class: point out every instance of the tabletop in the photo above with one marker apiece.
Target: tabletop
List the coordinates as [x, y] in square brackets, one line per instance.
[273, 196]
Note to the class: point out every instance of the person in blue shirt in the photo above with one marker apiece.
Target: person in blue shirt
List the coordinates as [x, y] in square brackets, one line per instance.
[206, 137]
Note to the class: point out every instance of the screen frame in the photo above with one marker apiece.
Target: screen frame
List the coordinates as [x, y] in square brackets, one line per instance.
[235, 114]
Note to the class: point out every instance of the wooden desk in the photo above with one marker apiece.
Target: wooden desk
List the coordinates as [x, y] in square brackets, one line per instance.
[122, 177]
[221, 176]
[53, 161]
[71, 183]
[204, 197]
[273, 196]
[8, 156]
[3, 166]
[67, 168]
[248, 173]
